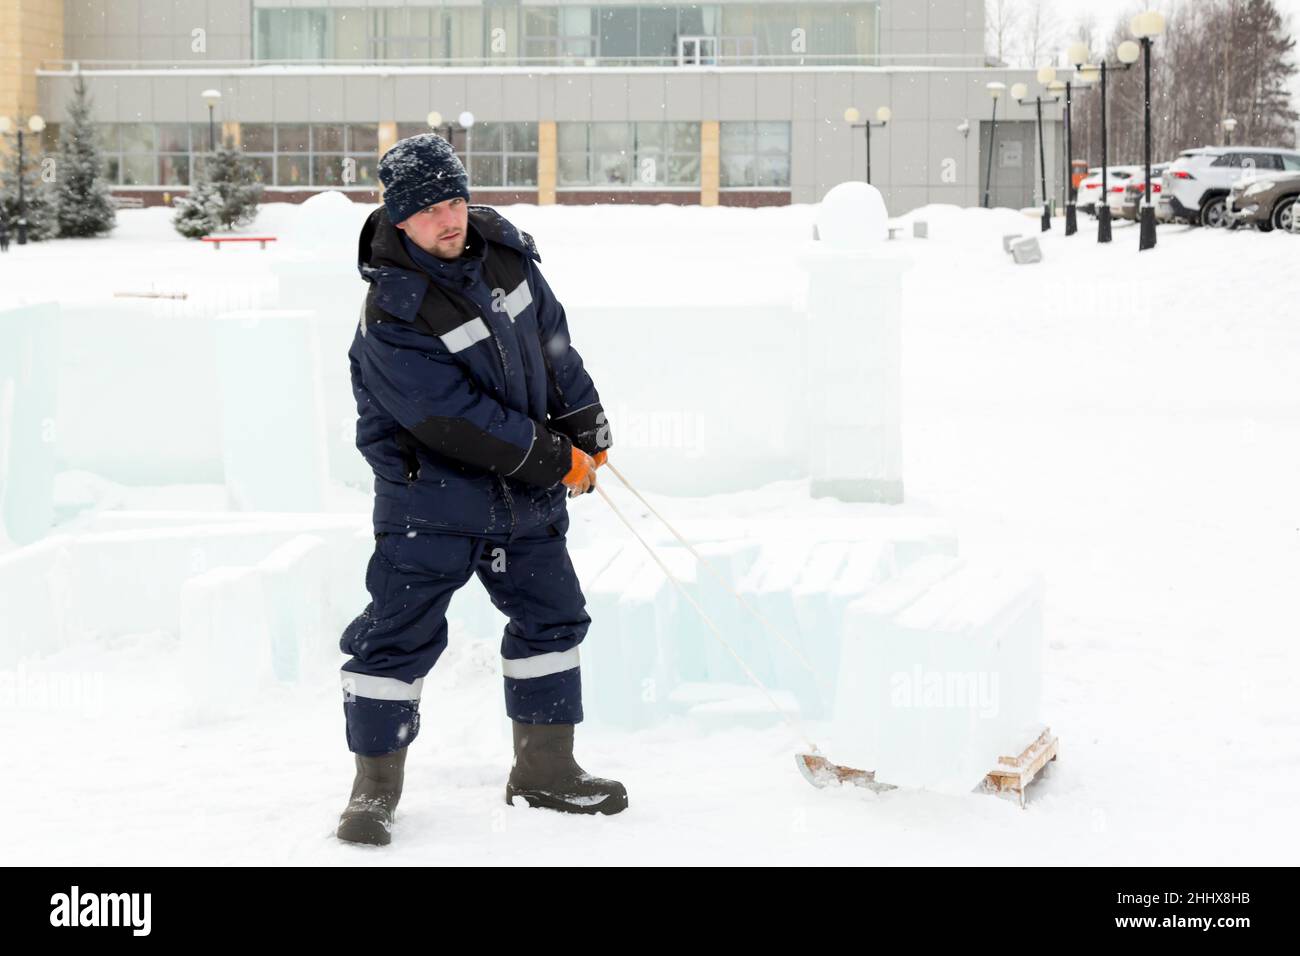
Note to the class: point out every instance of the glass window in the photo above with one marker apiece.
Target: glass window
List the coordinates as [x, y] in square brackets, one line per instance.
[349, 26]
[173, 138]
[485, 170]
[292, 170]
[772, 138]
[650, 137]
[617, 32]
[629, 154]
[573, 169]
[140, 170]
[486, 137]
[107, 134]
[571, 137]
[521, 137]
[684, 170]
[521, 170]
[737, 170]
[541, 21]
[606, 136]
[284, 34]
[257, 137]
[684, 137]
[755, 154]
[137, 137]
[263, 168]
[173, 171]
[327, 138]
[363, 139]
[500, 154]
[773, 170]
[291, 138]
[658, 36]
[327, 170]
[364, 170]
[611, 169]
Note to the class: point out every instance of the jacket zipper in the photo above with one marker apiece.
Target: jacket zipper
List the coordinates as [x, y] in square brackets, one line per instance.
[501, 357]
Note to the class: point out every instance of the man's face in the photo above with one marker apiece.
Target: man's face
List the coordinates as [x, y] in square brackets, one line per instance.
[440, 229]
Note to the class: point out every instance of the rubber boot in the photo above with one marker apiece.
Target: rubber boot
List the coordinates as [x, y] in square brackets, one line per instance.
[546, 775]
[368, 817]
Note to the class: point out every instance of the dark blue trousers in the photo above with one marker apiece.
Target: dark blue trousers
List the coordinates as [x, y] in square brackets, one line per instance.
[402, 632]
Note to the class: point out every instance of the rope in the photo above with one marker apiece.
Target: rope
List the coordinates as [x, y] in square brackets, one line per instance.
[762, 619]
[793, 724]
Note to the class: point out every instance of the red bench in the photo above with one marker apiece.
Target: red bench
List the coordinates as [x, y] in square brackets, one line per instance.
[218, 240]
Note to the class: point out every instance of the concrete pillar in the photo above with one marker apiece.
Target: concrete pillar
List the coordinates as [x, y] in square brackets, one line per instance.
[547, 163]
[30, 31]
[230, 132]
[710, 162]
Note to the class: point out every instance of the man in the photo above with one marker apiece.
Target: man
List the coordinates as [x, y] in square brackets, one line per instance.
[478, 419]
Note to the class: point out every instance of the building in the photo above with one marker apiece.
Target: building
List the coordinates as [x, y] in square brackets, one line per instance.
[725, 103]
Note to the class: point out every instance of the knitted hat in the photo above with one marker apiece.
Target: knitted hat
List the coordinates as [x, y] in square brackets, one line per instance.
[418, 172]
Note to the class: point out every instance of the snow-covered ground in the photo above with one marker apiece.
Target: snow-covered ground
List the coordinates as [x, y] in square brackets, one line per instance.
[1129, 423]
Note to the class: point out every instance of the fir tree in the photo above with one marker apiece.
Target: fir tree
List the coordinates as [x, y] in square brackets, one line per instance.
[199, 213]
[84, 207]
[236, 182]
[38, 197]
[225, 194]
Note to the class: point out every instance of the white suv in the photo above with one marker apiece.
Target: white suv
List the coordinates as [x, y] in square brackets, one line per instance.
[1197, 183]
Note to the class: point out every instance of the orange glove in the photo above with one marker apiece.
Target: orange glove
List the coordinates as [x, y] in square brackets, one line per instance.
[582, 476]
[599, 457]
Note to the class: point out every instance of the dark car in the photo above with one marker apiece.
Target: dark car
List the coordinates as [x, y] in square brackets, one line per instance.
[1135, 190]
[1266, 202]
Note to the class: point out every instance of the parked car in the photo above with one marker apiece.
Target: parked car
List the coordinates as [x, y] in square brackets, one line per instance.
[1089, 194]
[1266, 202]
[1134, 190]
[1197, 183]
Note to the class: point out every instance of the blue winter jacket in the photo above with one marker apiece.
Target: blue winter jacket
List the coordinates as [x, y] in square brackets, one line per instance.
[469, 395]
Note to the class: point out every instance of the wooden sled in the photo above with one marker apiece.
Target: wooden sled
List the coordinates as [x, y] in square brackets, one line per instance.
[1010, 778]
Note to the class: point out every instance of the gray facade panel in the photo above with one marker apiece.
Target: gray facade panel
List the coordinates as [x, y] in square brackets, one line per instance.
[683, 97]
[573, 96]
[452, 95]
[292, 99]
[256, 99]
[521, 98]
[774, 99]
[483, 97]
[361, 99]
[325, 97]
[609, 97]
[411, 98]
[737, 96]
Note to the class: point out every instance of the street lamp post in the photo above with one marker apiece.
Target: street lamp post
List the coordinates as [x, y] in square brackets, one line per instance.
[1071, 219]
[36, 123]
[1019, 92]
[1146, 27]
[1229, 124]
[883, 116]
[995, 90]
[212, 98]
[1128, 54]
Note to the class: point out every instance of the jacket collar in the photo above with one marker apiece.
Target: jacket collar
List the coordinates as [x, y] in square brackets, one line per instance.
[460, 272]
[401, 270]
